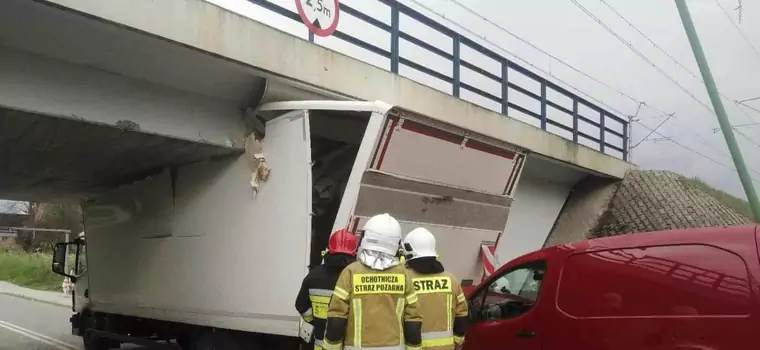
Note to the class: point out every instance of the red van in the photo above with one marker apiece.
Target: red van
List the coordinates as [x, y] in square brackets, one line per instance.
[680, 289]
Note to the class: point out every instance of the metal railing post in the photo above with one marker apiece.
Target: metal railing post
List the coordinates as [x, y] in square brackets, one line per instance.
[457, 66]
[626, 141]
[505, 87]
[602, 117]
[543, 104]
[394, 37]
[575, 120]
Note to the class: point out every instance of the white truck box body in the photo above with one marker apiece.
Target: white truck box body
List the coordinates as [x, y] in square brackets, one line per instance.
[195, 245]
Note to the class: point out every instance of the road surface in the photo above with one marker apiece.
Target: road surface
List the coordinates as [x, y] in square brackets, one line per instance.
[31, 325]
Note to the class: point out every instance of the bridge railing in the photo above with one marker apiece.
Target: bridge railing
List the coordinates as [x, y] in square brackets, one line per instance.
[560, 111]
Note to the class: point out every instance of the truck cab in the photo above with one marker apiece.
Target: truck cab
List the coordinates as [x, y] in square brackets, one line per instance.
[679, 289]
[77, 273]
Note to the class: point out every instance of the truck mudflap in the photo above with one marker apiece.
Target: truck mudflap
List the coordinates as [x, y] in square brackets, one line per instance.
[76, 326]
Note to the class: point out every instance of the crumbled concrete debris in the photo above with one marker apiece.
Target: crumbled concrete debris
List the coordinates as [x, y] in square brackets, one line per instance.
[256, 162]
[127, 125]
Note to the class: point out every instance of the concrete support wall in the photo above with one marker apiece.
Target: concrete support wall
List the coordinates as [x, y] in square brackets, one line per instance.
[585, 206]
[38, 84]
[662, 200]
[537, 204]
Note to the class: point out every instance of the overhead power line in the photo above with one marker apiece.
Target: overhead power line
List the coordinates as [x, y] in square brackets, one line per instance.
[748, 106]
[524, 61]
[665, 52]
[749, 99]
[638, 53]
[728, 16]
[649, 61]
[658, 111]
[693, 150]
[677, 62]
[653, 130]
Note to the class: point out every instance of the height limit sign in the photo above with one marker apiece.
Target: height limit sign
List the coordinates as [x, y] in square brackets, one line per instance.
[320, 16]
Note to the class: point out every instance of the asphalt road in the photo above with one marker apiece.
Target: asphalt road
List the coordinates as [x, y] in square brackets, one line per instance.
[31, 325]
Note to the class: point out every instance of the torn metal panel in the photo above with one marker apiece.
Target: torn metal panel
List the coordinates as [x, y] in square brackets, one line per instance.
[419, 201]
[254, 154]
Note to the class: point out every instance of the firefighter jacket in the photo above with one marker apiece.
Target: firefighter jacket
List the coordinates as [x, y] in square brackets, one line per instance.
[315, 293]
[373, 309]
[443, 307]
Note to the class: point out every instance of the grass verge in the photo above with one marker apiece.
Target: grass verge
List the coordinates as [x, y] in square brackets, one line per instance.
[31, 270]
[739, 205]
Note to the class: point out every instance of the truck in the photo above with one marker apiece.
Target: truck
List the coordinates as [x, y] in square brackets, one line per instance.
[211, 254]
[684, 289]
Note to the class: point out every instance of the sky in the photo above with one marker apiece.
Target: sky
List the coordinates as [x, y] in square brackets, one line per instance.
[605, 50]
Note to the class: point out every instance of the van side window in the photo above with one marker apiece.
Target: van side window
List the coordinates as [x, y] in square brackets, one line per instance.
[660, 281]
[510, 295]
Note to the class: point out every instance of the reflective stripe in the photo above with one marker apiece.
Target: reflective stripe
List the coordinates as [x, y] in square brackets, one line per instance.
[340, 293]
[411, 298]
[437, 342]
[413, 348]
[400, 314]
[320, 292]
[433, 339]
[458, 340]
[308, 316]
[461, 298]
[318, 344]
[436, 335]
[357, 309]
[376, 348]
[449, 319]
[378, 283]
[329, 346]
[429, 285]
[320, 304]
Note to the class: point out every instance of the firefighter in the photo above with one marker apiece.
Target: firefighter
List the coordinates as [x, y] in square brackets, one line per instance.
[374, 304]
[317, 287]
[442, 303]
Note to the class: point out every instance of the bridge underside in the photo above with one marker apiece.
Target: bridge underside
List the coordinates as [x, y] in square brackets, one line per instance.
[55, 159]
[86, 106]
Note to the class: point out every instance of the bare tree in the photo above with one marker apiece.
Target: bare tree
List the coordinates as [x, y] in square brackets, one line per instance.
[48, 215]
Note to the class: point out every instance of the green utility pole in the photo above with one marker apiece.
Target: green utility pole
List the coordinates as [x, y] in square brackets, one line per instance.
[720, 111]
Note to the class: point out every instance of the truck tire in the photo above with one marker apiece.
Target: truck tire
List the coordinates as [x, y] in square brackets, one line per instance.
[216, 341]
[92, 342]
[184, 344]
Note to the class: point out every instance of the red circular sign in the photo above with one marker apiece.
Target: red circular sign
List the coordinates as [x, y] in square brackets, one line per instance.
[320, 16]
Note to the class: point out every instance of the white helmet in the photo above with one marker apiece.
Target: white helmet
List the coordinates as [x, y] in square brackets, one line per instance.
[382, 233]
[419, 243]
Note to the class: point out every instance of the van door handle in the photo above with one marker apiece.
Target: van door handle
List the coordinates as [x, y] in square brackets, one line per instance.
[525, 334]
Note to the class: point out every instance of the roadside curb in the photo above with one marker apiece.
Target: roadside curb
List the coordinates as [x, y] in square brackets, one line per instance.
[26, 297]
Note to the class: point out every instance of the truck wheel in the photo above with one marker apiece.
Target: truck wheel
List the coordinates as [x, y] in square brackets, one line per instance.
[216, 341]
[185, 342]
[92, 342]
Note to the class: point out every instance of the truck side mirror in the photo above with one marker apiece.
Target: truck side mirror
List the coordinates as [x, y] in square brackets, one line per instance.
[59, 260]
